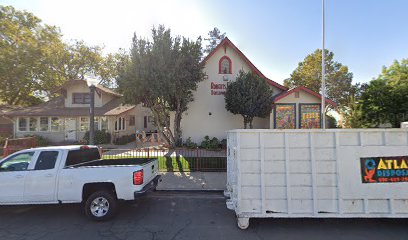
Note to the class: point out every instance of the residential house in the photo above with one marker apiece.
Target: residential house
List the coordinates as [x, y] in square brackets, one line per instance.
[66, 118]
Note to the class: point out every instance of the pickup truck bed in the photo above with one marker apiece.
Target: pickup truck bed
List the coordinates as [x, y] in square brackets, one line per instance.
[115, 162]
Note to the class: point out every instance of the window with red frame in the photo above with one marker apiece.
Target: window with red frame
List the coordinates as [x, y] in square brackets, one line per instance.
[225, 65]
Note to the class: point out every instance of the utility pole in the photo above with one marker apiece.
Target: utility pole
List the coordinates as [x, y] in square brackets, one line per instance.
[323, 106]
[92, 82]
[92, 116]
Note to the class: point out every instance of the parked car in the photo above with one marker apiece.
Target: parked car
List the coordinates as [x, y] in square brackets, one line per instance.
[75, 174]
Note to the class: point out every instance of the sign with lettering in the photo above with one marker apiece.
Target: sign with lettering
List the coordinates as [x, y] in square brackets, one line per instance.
[218, 88]
[384, 169]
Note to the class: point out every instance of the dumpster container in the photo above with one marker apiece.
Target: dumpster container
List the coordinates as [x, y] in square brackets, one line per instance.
[355, 173]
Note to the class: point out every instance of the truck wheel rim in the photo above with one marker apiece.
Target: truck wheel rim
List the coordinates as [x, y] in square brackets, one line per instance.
[99, 207]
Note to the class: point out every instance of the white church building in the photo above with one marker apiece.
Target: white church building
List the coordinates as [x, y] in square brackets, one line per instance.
[206, 115]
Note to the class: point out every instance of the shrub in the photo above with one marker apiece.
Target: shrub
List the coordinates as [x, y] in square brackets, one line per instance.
[190, 144]
[125, 139]
[101, 137]
[210, 144]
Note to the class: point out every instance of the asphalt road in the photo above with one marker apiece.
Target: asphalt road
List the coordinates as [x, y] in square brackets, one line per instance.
[164, 215]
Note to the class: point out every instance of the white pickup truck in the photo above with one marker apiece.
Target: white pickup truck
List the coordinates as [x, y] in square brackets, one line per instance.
[75, 174]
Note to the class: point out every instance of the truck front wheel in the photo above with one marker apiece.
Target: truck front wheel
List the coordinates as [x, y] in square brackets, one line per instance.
[101, 206]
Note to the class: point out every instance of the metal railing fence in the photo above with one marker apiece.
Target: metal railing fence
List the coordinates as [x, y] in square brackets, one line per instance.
[176, 160]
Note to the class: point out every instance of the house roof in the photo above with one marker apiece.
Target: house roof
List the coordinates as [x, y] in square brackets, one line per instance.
[4, 108]
[227, 42]
[305, 89]
[98, 87]
[55, 107]
[119, 110]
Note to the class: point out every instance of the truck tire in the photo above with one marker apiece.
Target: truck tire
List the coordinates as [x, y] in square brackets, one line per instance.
[101, 206]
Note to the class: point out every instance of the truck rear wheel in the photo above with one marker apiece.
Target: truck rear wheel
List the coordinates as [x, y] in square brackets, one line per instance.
[101, 206]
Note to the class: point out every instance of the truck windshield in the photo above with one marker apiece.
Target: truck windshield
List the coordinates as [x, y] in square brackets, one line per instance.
[81, 156]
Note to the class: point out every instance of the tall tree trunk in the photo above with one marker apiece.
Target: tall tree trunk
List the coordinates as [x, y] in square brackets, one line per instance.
[245, 123]
[177, 128]
[167, 134]
[250, 123]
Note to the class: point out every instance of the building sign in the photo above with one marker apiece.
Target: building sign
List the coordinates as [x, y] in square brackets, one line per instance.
[218, 88]
[285, 116]
[384, 169]
[310, 116]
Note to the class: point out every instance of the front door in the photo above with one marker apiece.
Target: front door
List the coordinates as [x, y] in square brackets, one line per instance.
[70, 129]
[40, 182]
[13, 172]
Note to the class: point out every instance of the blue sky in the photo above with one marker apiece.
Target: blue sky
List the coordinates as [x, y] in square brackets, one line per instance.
[275, 35]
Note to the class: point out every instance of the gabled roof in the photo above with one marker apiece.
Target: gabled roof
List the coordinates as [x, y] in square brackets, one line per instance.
[227, 42]
[98, 87]
[5, 108]
[305, 89]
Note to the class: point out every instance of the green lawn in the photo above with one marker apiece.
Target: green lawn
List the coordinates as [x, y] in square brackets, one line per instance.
[186, 164]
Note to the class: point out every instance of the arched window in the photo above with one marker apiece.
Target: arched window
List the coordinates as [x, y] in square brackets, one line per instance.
[225, 65]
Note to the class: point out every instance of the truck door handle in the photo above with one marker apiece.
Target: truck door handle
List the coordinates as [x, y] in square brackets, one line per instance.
[19, 176]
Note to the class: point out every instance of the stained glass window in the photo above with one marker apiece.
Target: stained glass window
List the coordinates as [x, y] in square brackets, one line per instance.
[285, 116]
[310, 116]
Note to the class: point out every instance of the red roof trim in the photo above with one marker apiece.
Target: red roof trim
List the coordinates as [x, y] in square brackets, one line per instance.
[297, 89]
[225, 42]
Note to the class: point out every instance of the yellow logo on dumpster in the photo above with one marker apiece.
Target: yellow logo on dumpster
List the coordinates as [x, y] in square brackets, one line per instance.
[384, 169]
[392, 164]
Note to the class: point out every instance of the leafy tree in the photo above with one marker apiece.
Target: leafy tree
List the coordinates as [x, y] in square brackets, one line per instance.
[214, 38]
[351, 114]
[137, 84]
[80, 60]
[188, 73]
[112, 66]
[26, 46]
[385, 99]
[75, 60]
[309, 74]
[34, 60]
[249, 96]
[162, 74]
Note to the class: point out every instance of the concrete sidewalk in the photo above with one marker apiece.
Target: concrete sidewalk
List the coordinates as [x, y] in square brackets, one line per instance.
[191, 181]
